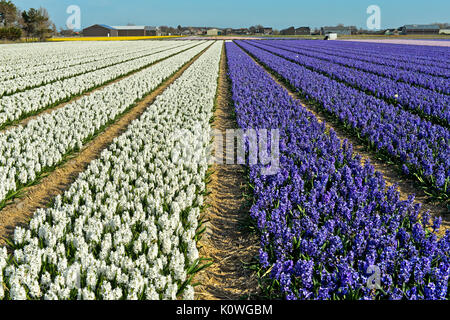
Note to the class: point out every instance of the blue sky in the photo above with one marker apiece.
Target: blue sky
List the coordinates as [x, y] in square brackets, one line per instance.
[244, 13]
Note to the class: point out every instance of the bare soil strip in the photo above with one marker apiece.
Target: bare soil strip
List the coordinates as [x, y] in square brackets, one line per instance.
[405, 186]
[38, 196]
[225, 241]
[38, 113]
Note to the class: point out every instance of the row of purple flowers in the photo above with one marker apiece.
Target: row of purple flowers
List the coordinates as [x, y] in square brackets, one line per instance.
[388, 57]
[327, 221]
[429, 104]
[423, 149]
[438, 84]
[423, 55]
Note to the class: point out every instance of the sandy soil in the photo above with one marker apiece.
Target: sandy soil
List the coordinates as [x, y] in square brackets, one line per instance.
[21, 210]
[225, 241]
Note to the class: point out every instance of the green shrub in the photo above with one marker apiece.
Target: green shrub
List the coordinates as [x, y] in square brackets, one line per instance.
[10, 33]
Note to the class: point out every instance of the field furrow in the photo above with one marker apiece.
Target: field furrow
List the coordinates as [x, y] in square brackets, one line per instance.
[325, 219]
[413, 63]
[222, 164]
[438, 84]
[42, 78]
[79, 59]
[428, 104]
[225, 241]
[24, 104]
[27, 152]
[138, 239]
[419, 147]
[420, 55]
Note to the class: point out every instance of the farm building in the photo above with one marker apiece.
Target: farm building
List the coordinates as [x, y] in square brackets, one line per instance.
[267, 30]
[264, 30]
[291, 31]
[100, 30]
[214, 32]
[151, 31]
[340, 30]
[135, 31]
[288, 32]
[420, 29]
[240, 31]
[303, 31]
[103, 30]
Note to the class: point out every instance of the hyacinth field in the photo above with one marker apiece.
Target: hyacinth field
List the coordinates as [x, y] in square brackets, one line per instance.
[129, 124]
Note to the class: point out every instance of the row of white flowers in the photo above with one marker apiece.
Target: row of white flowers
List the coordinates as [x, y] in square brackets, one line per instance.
[16, 56]
[18, 105]
[11, 68]
[108, 58]
[25, 151]
[26, 59]
[126, 227]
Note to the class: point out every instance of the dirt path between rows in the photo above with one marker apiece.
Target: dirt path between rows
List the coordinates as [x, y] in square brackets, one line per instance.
[405, 186]
[21, 210]
[225, 241]
[88, 92]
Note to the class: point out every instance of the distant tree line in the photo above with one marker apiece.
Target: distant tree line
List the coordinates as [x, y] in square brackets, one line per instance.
[34, 23]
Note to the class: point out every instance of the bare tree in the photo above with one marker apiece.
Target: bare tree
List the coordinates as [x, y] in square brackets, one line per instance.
[8, 13]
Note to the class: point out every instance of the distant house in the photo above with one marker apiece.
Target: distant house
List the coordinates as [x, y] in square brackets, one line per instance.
[267, 30]
[303, 31]
[100, 30]
[241, 31]
[291, 31]
[373, 32]
[201, 32]
[288, 32]
[160, 33]
[420, 29]
[264, 30]
[214, 32]
[151, 31]
[340, 30]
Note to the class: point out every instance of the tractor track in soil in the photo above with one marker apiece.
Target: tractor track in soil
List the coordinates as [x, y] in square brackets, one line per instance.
[225, 241]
